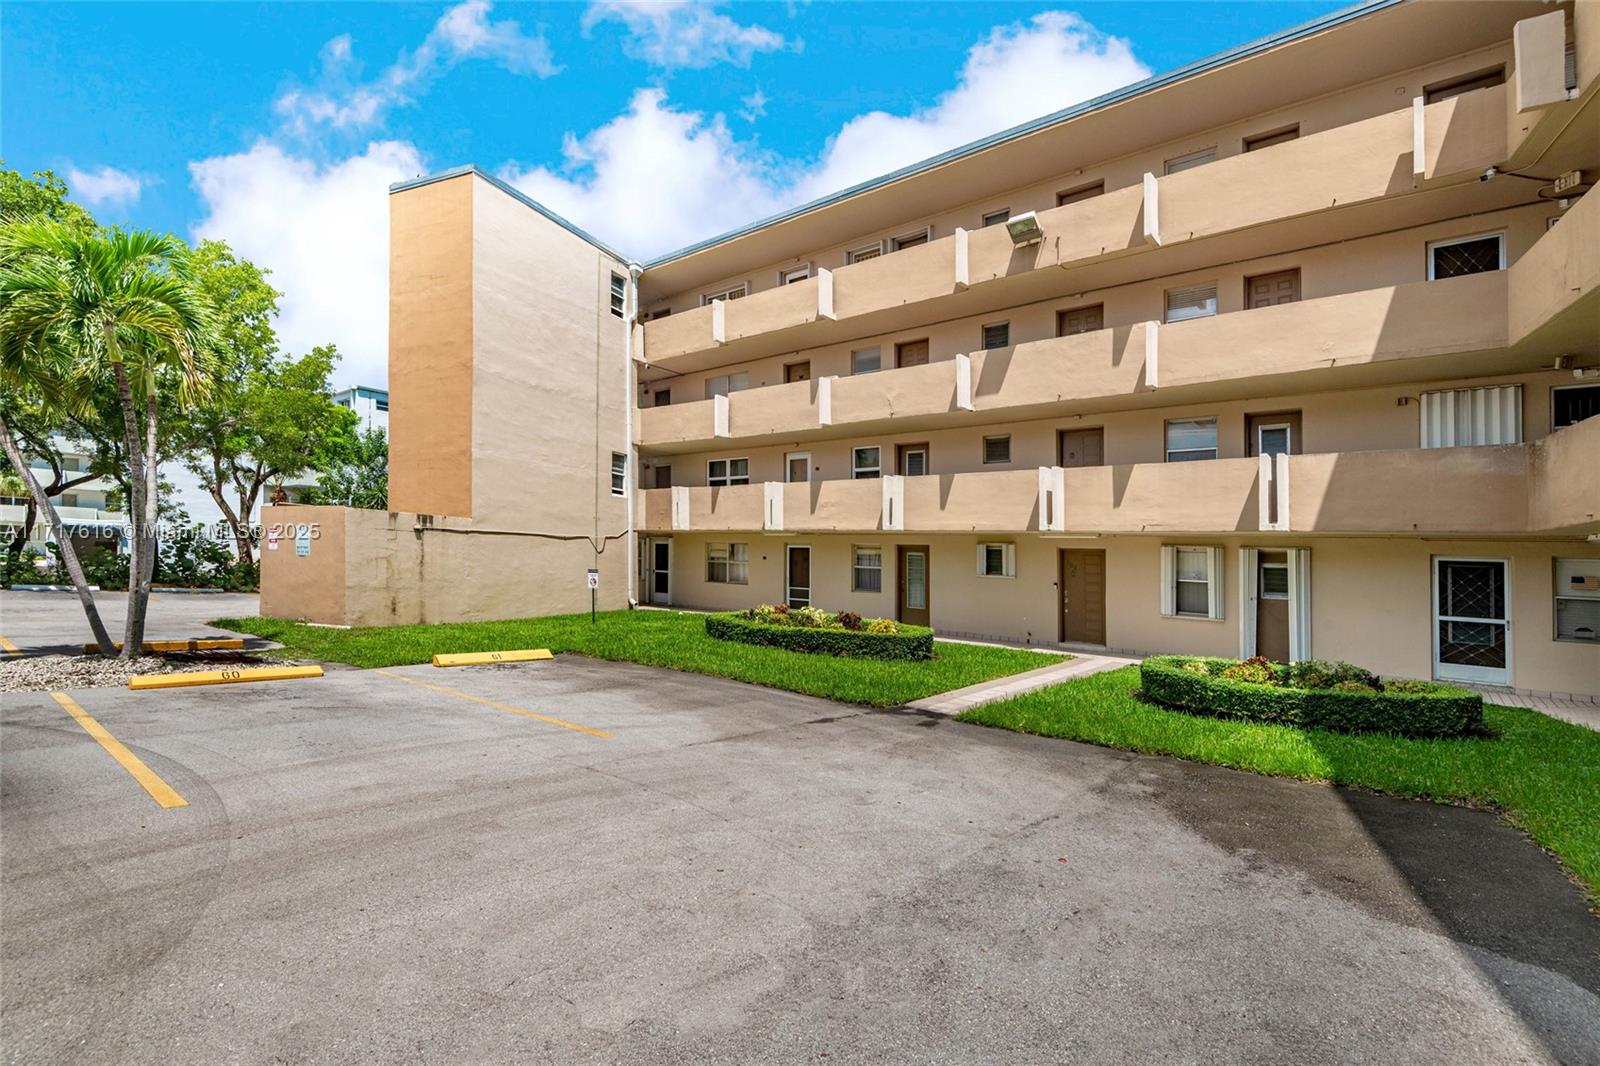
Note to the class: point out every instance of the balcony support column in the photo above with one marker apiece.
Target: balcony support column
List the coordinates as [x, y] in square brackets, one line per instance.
[680, 507]
[1152, 210]
[963, 273]
[894, 503]
[964, 383]
[1052, 499]
[1419, 138]
[1152, 355]
[719, 416]
[825, 401]
[825, 294]
[1272, 493]
[719, 321]
[772, 506]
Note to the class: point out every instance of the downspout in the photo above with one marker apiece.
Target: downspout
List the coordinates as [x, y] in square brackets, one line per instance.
[629, 319]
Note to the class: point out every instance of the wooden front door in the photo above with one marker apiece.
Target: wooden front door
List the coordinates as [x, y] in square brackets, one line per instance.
[1083, 447]
[1266, 290]
[911, 598]
[797, 372]
[1080, 320]
[1272, 605]
[911, 353]
[1083, 595]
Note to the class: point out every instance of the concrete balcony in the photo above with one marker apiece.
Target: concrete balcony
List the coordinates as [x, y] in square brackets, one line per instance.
[1364, 162]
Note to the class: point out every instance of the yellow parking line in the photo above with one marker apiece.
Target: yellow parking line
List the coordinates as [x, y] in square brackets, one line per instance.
[159, 790]
[497, 706]
[8, 647]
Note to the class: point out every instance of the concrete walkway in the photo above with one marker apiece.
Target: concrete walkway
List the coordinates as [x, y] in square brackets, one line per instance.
[1579, 712]
[961, 699]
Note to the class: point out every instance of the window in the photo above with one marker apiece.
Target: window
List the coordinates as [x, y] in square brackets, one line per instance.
[660, 312]
[1192, 301]
[1578, 599]
[865, 361]
[866, 462]
[1274, 581]
[69, 499]
[1191, 438]
[1483, 79]
[726, 383]
[913, 459]
[663, 475]
[619, 474]
[866, 570]
[619, 294]
[997, 335]
[1571, 404]
[663, 397]
[1267, 140]
[1466, 255]
[910, 240]
[1082, 192]
[1194, 582]
[1191, 160]
[381, 403]
[794, 274]
[865, 252]
[733, 293]
[728, 564]
[728, 472]
[797, 467]
[997, 450]
[1459, 418]
[1270, 290]
[997, 218]
[997, 560]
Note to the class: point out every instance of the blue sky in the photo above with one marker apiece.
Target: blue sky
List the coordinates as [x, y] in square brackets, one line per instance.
[278, 126]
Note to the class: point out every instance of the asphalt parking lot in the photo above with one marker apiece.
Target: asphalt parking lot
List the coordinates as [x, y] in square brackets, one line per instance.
[53, 622]
[419, 865]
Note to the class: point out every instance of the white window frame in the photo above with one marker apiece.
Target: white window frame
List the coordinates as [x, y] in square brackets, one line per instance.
[1166, 439]
[869, 348]
[925, 233]
[729, 561]
[619, 294]
[855, 467]
[794, 274]
[856, 567]
[983, 450]
[1189, 160]
[727, 480]
[788, 461]
[619, 473]
[1215, 592]
[1486, 675]
[1262, 591]
[729, 381]
[983, 333]
[863, 252]
[1166, 301]
[903, 450]
[1008, 559]
[1288, 436]
[998, 217]
[1499, 235]
[732, 292]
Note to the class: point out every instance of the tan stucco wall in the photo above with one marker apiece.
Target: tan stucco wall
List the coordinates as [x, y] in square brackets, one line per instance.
[430, 347]
[1370, 602]
[311, 586]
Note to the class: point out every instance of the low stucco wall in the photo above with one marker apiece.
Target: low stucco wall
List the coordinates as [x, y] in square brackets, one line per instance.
[376, 568]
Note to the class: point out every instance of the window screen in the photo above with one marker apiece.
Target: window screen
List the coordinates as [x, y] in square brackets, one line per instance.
[1191, 438]
[997, 449]
[1193, 591]
[866, 361]
[866, 573]
[997, 335]
[1192, 301]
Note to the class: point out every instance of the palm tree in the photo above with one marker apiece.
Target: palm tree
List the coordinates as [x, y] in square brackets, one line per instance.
[117, 310]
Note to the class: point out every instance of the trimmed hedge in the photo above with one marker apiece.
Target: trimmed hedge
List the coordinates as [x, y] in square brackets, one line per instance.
[910, 643]
[1440, 711]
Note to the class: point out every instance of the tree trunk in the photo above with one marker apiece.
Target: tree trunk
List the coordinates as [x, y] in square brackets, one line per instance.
[69, 554]
[138, 545]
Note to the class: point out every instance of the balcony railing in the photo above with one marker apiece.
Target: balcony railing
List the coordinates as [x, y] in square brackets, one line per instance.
[1359, 162]
[1549, 486]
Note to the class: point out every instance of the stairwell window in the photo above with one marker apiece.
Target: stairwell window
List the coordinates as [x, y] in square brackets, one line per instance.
[996, 335]
[866, 462]
[997, 450]
[619, 474]
[1192, 301]
[733, 292]
[728, 564]
[723, 384]
[1453, 258]
[619, 294]
[997, 560]
[723, 472]
[1190, 439]
[866, 571]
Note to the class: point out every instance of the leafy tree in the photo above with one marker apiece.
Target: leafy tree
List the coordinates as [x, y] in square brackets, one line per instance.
[360, 479]
[267, 414]
[44, 196]
[118, 310]
[38, 431]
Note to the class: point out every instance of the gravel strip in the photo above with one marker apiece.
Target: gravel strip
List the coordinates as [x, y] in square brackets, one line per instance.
[46, 672]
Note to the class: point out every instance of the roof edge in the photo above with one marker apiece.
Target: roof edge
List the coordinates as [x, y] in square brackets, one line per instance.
[515, 194]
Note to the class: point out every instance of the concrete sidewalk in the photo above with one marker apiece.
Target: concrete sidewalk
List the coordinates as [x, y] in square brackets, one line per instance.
[961, 699]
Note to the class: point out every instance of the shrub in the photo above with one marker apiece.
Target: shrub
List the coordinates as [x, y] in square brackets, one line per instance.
[781, 608]
[886, 625]
[1253, 672]
[1346, 704]
[1402, 684]
[904, 643]
[764, 613]
[1315, 673]
[809, 617]
[849, 620]
[1197, 666]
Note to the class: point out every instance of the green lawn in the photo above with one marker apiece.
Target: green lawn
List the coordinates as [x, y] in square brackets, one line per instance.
[656, 638]
[1543, 775]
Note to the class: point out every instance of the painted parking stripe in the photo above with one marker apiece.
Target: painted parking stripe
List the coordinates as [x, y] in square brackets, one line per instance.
[8, 647]
[602, 734]
[159, 790]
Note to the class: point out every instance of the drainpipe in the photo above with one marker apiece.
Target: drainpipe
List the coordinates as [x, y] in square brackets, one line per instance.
[629, 319]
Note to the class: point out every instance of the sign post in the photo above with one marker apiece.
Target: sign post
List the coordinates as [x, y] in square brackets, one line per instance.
[594, 585]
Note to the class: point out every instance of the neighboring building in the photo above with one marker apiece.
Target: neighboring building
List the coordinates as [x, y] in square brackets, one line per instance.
[371, 404]
[1285, 352]
[82, 508]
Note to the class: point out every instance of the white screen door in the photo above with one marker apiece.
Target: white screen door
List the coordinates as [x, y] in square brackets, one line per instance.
[1472, 625]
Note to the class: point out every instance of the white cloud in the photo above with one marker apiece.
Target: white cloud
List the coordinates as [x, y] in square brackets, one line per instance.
[323, 231]
[755, 105]
[463, 32]
[683, 33]
[656, 178]
[106, 185]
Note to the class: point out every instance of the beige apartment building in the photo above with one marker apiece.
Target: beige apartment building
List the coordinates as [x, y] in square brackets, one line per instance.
[1293, 352]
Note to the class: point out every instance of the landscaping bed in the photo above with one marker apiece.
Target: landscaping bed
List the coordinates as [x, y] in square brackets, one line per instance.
[816, 632]
[1318, 695]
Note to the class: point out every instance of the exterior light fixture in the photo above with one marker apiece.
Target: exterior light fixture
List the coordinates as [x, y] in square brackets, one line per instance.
[1024, 229]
